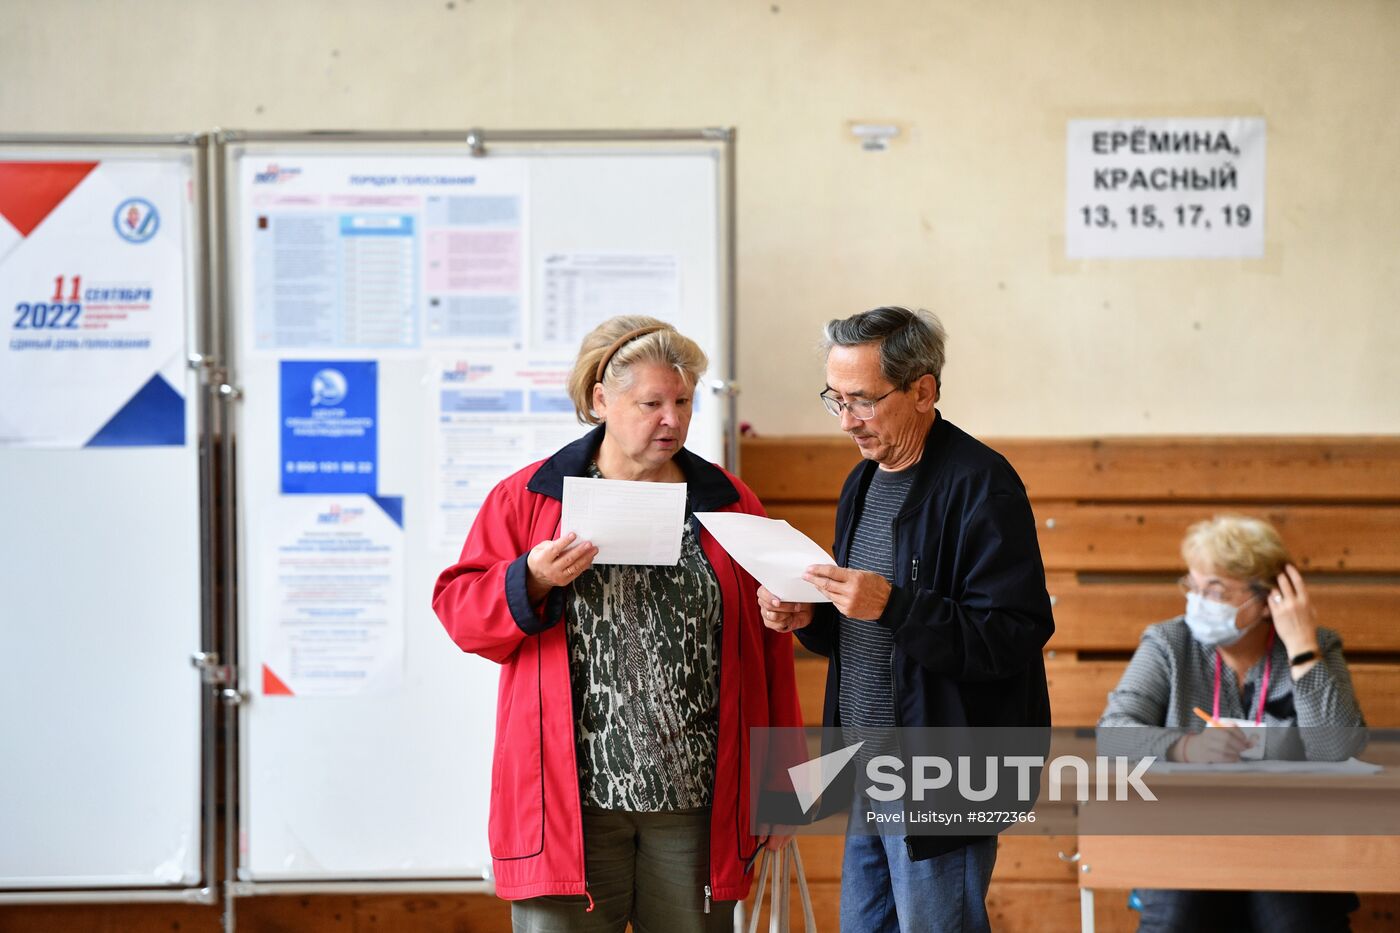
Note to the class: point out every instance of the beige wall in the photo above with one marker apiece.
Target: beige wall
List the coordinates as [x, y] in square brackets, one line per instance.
[963, 215]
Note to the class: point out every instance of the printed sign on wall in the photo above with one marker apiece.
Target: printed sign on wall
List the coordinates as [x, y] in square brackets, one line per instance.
[1180, 188]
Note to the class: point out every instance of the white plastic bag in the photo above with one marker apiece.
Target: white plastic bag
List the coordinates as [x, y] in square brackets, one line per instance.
[780, 866]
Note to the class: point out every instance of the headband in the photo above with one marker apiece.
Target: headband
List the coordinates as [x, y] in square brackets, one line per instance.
[620, 342]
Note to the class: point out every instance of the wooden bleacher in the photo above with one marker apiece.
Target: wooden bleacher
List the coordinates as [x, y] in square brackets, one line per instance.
[1110, 515]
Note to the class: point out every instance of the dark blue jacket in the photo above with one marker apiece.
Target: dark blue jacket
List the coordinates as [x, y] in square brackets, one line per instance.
[969, 609]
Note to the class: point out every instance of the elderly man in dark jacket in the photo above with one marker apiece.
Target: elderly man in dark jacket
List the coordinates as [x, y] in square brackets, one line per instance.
[938, 609]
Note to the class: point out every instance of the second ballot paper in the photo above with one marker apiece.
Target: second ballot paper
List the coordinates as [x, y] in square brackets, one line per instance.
[772, 551]
[630, 522]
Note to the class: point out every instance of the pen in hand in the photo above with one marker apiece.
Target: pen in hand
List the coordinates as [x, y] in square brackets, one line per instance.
[1209, 719]
[1221, 743]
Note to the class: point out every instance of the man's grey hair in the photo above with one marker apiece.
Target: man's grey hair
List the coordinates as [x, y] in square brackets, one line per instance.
[911, 342]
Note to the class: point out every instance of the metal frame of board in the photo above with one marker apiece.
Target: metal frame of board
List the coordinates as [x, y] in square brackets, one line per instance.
[479, 143]
[206, 660]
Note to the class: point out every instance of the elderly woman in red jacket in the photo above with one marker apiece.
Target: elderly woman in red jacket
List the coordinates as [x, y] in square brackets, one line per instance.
[619, 787]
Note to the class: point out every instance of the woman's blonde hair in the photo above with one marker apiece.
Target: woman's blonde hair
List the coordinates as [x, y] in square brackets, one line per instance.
[663, 344]
[1238, 546]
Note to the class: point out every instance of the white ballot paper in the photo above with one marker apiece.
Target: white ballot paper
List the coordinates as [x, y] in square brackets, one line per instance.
[630, 522]
[771, 550]
[1267, 766]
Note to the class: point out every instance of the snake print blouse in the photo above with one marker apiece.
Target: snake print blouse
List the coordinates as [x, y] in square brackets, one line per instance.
[644, 666]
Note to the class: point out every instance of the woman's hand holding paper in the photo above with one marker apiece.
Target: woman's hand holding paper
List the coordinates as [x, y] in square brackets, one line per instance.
[781, 616]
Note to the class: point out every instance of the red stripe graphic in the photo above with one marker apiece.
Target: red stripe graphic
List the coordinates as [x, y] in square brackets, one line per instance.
[29, 191]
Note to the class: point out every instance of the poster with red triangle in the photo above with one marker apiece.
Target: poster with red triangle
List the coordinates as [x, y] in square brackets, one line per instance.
[329, 597]
[96, 260]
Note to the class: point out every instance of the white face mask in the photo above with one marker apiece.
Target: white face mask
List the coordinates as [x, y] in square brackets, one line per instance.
[1212, 623]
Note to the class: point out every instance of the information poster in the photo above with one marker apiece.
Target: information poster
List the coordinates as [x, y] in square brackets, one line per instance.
[385, 254]
[93, 286]
[1168, 188]
[493, 416]
[334, 619]
[579, 291]
[329, 433]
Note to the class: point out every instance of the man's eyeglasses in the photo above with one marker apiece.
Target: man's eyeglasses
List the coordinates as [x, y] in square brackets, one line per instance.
[862, 408]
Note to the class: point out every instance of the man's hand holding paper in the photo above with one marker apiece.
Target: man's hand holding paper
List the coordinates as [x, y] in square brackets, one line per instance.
[857, 594]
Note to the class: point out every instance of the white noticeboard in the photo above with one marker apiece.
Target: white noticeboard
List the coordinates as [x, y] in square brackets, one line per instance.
[1165, 188]
[403, 317]
[100, 518]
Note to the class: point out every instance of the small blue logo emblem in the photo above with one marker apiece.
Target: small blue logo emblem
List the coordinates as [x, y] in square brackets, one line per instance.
[136, 220]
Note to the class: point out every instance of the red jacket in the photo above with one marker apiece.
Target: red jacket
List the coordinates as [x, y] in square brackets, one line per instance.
[535, 827]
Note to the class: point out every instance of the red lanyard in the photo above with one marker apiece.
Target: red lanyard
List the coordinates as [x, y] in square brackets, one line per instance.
[1263, 688]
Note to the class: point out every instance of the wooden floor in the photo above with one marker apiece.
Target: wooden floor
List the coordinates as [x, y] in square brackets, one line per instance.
[1041, 906]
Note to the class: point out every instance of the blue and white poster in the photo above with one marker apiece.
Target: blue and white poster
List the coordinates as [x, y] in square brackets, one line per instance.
[94, 289]
[329, 412]
[333, 621]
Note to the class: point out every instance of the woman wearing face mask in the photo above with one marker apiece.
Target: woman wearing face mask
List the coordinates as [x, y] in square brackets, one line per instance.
[1247, 649]
[620, 782]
